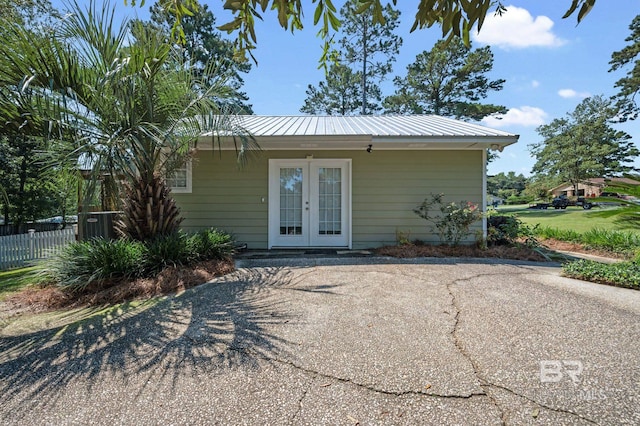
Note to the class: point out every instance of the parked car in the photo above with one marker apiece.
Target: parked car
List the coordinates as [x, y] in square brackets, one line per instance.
[58, 219]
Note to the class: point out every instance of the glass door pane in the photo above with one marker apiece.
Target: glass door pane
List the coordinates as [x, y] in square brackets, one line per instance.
[329, 201]
[291, 201]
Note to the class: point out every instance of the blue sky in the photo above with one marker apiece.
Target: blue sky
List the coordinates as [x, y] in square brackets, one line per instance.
[549, 64]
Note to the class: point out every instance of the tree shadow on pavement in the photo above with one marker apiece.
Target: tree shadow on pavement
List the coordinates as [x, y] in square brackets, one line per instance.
[211, 328]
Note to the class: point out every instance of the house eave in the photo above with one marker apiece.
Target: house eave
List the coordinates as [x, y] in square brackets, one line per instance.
[356, 142]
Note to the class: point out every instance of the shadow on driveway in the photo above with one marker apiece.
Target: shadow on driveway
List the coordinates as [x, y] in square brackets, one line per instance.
[212, 327]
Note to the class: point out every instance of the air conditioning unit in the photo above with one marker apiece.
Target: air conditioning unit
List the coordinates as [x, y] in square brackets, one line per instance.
[97, 225]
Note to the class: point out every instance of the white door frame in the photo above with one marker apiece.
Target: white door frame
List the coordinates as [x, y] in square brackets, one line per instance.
[310, 206]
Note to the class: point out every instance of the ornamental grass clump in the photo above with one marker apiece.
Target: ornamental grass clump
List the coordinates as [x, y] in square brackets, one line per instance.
[623, 242]
[84, 262]
[454, 220]
[547, 232]
[168, 251]
[108, 262]
[212, 244]
[615, 241]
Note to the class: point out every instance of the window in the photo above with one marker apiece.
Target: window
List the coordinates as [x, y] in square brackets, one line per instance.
[180, 180]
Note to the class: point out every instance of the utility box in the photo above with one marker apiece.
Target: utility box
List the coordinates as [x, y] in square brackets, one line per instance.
[97, 225]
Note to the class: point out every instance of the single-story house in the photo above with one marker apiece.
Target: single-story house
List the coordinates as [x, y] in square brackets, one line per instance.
[335, 181]
[589, 187]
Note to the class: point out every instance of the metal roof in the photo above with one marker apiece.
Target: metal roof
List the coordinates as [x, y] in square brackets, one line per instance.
[371, 125]
[393, 132]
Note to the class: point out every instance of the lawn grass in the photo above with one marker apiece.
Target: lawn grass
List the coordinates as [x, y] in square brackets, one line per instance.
[73, 319]
[599, 229]
[14, 280]
[572, 219]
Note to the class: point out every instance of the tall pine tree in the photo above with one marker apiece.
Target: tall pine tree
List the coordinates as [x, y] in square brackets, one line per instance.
[449, 80]
[368, 49]
[338, 94]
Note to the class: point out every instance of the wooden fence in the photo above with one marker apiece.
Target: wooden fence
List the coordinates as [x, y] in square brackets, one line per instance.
[22, 249]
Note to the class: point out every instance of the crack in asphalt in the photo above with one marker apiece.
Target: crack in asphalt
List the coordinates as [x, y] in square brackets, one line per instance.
[302, 397]
[484, 383]
[546, 407]
[491, 274]
[315, 374]
[458, 344]
[473, 277]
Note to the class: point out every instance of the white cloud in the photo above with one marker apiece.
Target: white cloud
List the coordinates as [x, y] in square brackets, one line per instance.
[524, 116]
[535, 83]
[517, 29]
[570, 93]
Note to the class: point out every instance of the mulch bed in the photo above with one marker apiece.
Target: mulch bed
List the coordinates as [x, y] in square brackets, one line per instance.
[552, 244]
[168, 281]
[500, 252]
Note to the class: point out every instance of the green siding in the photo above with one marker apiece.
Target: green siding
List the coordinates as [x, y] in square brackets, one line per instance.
[227, 197]
[386, 186]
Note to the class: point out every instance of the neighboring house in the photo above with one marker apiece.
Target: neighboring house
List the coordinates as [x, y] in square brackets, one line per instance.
[333, 181]
[494, 201]
[588, 188]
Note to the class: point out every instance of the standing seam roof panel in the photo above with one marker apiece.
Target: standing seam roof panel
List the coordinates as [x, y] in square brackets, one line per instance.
[431, 128]
[425, 127]
[417, 125]
[390, 130]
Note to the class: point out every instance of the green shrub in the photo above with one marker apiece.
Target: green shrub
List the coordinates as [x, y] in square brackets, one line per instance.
[212, 244]
[183, 249]
[510, 230]
[168, 250]
[518, 199]
[623, 274]
[81, 263]
[454, 220]
[502, 230]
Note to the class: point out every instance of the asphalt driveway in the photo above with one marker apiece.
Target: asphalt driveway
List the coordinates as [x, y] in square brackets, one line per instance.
[347, 341]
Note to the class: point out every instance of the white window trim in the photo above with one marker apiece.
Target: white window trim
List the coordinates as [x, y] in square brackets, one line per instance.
[188, 188]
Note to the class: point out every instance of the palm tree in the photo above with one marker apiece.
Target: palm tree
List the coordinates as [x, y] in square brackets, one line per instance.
[629, 205]
[130, 103]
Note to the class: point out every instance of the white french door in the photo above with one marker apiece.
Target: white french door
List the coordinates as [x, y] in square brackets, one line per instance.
[309, 203]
